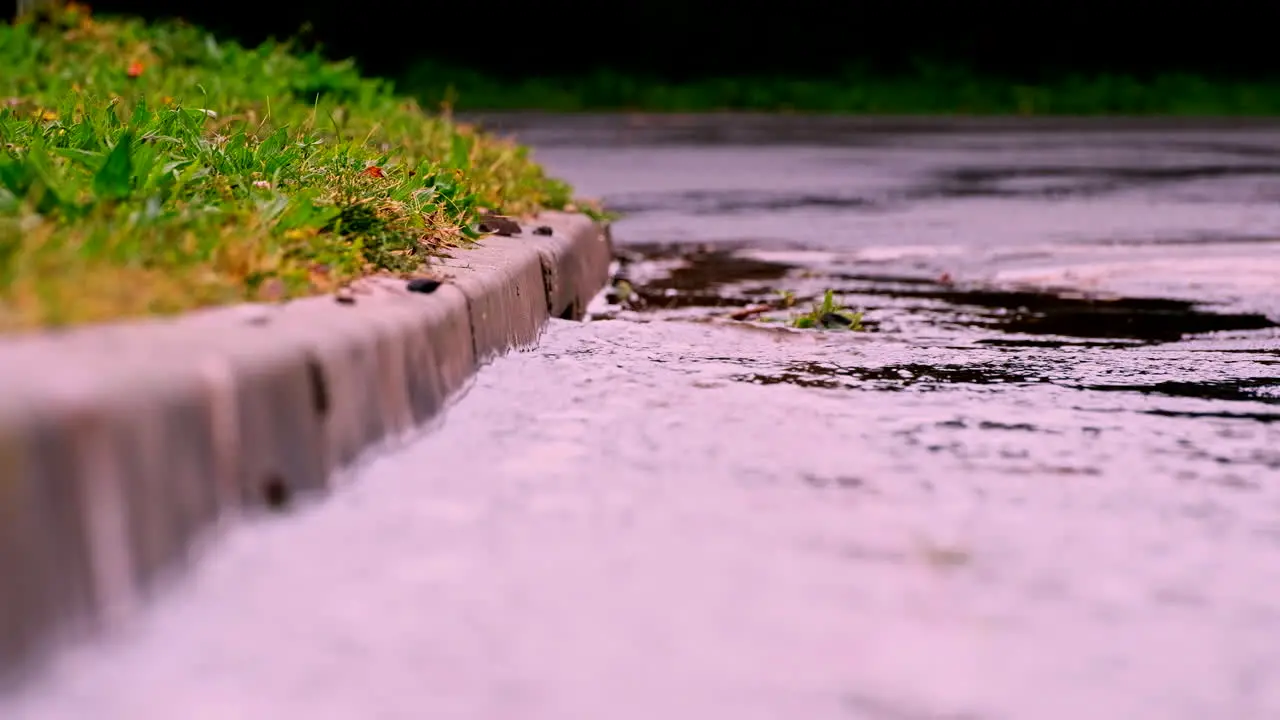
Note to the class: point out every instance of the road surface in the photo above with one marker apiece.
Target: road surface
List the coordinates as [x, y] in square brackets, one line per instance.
[999, 502]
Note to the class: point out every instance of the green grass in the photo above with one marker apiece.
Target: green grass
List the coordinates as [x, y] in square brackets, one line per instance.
[825, 314]
[150, 169]
[933, 89]
[828, 315]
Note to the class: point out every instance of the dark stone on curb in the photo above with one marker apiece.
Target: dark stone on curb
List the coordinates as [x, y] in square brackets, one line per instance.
[275, 495]
[422, 285]
[499, 225]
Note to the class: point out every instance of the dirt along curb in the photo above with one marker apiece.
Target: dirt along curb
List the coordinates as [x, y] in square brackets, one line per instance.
[121, 446]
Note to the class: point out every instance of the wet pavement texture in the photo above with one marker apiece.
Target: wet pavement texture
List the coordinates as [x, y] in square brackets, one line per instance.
[1043, 482]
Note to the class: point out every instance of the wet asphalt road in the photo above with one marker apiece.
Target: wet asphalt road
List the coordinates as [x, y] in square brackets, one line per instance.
[1044, 484]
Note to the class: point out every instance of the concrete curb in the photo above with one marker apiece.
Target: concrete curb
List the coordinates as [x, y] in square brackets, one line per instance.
[122, 445]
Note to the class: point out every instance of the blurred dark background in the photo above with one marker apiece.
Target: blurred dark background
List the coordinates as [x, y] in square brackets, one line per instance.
[680, 40]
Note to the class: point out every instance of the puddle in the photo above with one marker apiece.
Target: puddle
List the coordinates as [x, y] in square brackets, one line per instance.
[1263, 390]
[1207, 239]
[1048, 344]
[1254, 417]
[658, 280]
[1149, 320]
[736, 201]
[974, 339]
[924, 378]
[1055, 182]
[705, 278]
[887, 378]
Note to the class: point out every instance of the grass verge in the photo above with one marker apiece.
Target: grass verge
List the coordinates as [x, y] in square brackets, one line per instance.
[933, 89]
[150, 169]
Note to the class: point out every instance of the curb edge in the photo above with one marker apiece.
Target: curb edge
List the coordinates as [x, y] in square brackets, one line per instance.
[111, 475]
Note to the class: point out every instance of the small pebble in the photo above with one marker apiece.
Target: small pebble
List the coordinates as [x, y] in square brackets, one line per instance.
[543, 230]
[422, 285]
[345, 296]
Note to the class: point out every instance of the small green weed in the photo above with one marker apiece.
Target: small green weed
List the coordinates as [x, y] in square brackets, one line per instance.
[828, 315]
